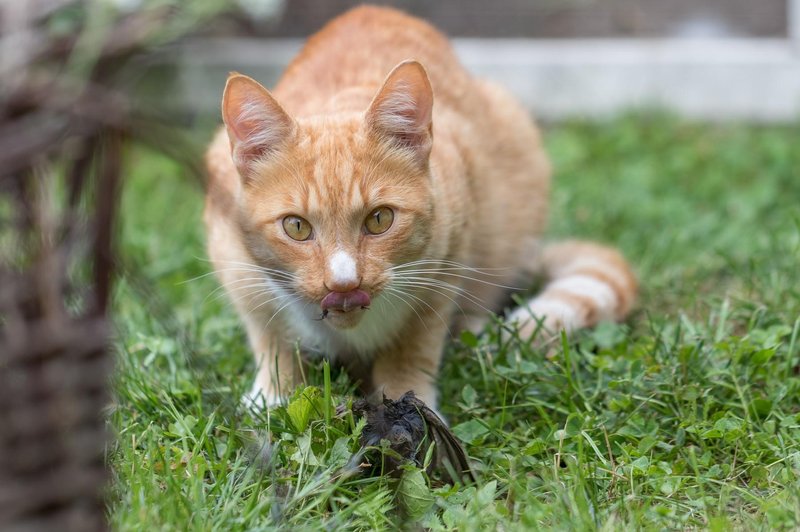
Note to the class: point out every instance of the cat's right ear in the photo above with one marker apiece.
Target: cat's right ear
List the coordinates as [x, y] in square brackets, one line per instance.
[256, 123]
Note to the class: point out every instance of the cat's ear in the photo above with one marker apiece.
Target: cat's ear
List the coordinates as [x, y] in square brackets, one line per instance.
[256, 122]
[401, 111]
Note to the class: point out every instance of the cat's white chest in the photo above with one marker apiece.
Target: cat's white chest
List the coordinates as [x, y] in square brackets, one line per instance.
[379, 326]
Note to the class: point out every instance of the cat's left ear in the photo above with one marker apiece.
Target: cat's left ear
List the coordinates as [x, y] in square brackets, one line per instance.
[402, 110]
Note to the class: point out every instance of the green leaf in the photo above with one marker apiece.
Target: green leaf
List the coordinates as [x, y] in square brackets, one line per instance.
[641, 464]
[646, 443]
[413, 493]
[302, 405]
[667, 487]
[469, 395]
[304, 453]
[689, 393]
[727, 424]
[762, 356]
[680, 437]
[183, 426]
[711, 434]
[469, 339]
[759, 474]
[607, 334]
[470, 431]
[761, 407]
[340, 452]
[573, 425]
[534, 447]
[719, 523]
[486, 494]
[525, 367]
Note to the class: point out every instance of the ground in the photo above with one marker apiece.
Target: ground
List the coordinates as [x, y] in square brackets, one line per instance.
[686, 416]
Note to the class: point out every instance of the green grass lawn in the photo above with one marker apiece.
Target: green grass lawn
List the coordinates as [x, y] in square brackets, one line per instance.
[687, 416]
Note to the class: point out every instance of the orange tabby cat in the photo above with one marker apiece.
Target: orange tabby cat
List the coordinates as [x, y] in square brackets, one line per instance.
[380, 198]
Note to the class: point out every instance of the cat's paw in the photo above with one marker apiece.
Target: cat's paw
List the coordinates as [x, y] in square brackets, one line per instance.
[539, 321]
[257, 400]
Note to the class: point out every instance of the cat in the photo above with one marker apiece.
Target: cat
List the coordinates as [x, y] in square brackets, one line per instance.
[380, 199]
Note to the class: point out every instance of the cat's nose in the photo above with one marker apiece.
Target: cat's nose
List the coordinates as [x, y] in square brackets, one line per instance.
[341, 285]
[341, 273]
[345, 301]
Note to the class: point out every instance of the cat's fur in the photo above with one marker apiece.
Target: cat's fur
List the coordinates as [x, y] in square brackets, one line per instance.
[459, 162]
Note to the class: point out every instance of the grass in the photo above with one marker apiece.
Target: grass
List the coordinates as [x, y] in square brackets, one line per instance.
[687, 416]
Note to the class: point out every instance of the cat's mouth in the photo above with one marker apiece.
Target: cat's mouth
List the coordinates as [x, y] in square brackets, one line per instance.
[345, 301]
[344, 309]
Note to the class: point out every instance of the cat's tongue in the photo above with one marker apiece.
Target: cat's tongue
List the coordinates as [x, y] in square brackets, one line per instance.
[345, 301]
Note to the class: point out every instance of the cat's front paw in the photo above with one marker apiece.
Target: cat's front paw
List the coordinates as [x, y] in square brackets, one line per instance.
[539, 321]
[259, 400]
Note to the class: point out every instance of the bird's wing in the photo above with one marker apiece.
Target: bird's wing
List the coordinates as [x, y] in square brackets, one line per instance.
[448, 448]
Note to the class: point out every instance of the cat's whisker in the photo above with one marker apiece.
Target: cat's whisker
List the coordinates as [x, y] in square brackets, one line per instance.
[264, 275]
[444, 322]
[197, 278]
[269, 282]
[254, 267]
[459, 276]
[305, 307]
[446, 262]
[386, 301]
[253, 292]
[224, 289]
[250, 298]
[269, 278]
[458, 290]
[431, 279]
[382, 304]
[275, 298]
[233, 283]
[268, 285]
[433, 288]
[434, 264]
[450, 265]
[452, 269]
[279, 283]
[451, 272]
[399, 295]
[293, 299]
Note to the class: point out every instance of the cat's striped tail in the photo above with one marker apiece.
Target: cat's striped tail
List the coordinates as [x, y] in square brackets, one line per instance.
[585, 283]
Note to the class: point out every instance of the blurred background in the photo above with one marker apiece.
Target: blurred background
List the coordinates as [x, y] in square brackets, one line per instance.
[713, 59]
[559, 19]
[105, 106]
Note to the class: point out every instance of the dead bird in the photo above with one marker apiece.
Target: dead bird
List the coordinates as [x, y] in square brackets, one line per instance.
[410, 427]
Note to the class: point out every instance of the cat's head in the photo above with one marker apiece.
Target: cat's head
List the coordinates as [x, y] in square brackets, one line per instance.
[337, 200]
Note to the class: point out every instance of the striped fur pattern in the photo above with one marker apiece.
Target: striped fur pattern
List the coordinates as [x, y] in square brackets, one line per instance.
[586, 283]
[377, 113]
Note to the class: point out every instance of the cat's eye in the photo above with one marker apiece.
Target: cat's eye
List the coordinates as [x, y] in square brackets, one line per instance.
[297, 228]
[379, 220]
